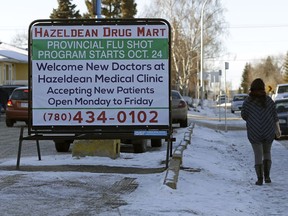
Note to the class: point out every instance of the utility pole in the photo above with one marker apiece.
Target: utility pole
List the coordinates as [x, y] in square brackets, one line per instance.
[202, 56]
[226, 95]
[97, 8]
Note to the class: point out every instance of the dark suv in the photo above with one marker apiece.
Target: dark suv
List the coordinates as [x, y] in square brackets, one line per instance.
[17, 106]
[5, 92]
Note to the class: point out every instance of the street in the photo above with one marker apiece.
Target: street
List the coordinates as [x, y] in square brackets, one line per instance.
[10, 139]
[92, 190]
[63, 188]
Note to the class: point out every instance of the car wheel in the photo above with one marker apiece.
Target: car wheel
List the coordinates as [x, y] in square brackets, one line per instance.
[156, 142]
[62, 145]
[139, 145]
[9, 123]
[184, 123]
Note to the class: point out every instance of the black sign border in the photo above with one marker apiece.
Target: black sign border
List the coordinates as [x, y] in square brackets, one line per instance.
[99, 131]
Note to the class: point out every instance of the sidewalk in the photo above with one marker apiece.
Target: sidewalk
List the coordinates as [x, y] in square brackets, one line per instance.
[224, 183]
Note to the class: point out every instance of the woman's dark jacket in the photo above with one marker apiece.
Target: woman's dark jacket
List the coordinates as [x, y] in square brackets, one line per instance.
[260, 121]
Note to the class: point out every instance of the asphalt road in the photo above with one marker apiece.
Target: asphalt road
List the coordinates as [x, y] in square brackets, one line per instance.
[96, 194]
[93, 192]
[9, 142]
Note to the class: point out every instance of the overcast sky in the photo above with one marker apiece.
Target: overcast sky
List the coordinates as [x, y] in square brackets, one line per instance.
[258, 28]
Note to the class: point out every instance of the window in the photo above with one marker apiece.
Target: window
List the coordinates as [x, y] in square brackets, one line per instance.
[8, 74]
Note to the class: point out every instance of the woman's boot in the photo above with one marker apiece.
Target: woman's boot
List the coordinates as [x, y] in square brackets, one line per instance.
[259, 173]
[267, 167]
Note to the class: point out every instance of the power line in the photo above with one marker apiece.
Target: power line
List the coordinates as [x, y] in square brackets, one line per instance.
[13, 29]
[259, 26]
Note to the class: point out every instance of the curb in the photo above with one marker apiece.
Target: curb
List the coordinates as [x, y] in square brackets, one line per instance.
[172, 173]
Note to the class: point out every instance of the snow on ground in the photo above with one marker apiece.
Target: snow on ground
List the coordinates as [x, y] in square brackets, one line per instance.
[221, 181]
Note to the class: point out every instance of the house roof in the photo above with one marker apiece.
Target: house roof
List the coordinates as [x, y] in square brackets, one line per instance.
[9, 53]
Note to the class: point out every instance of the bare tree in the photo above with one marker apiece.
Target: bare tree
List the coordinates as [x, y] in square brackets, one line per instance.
[269, 70]
[184, 17]
[20, 40]
[285, 68]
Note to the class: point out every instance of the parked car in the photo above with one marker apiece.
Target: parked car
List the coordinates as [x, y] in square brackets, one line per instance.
[179, 115]
[281, 96]
[17, 106]
[282, 111]
[5, 92]
[237, 102]
[281, 91]
[221, 99]
[179, 109]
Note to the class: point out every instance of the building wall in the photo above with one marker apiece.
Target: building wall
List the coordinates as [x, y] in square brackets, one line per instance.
[19, 73]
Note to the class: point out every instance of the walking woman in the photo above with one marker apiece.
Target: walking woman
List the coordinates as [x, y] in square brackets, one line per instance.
[262, 124]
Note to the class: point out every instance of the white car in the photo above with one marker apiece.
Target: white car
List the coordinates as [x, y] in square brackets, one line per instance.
[281, 91]
[179, 109]
[237, 102]
[281, 96]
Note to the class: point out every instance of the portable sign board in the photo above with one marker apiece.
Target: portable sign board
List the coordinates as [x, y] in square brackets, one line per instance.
[94, 74]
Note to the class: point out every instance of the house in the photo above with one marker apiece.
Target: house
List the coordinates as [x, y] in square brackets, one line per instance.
[13, 65]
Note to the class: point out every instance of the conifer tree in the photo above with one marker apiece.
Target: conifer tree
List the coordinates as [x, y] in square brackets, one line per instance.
[246, 78]
[128, 9]
[91, 9]
[269, 68]
[111, 8]
[65, 10]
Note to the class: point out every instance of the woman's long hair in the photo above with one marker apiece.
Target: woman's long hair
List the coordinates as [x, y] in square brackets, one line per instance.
[257, 92]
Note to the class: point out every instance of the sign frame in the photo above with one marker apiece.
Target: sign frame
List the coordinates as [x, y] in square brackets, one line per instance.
[100, 130]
